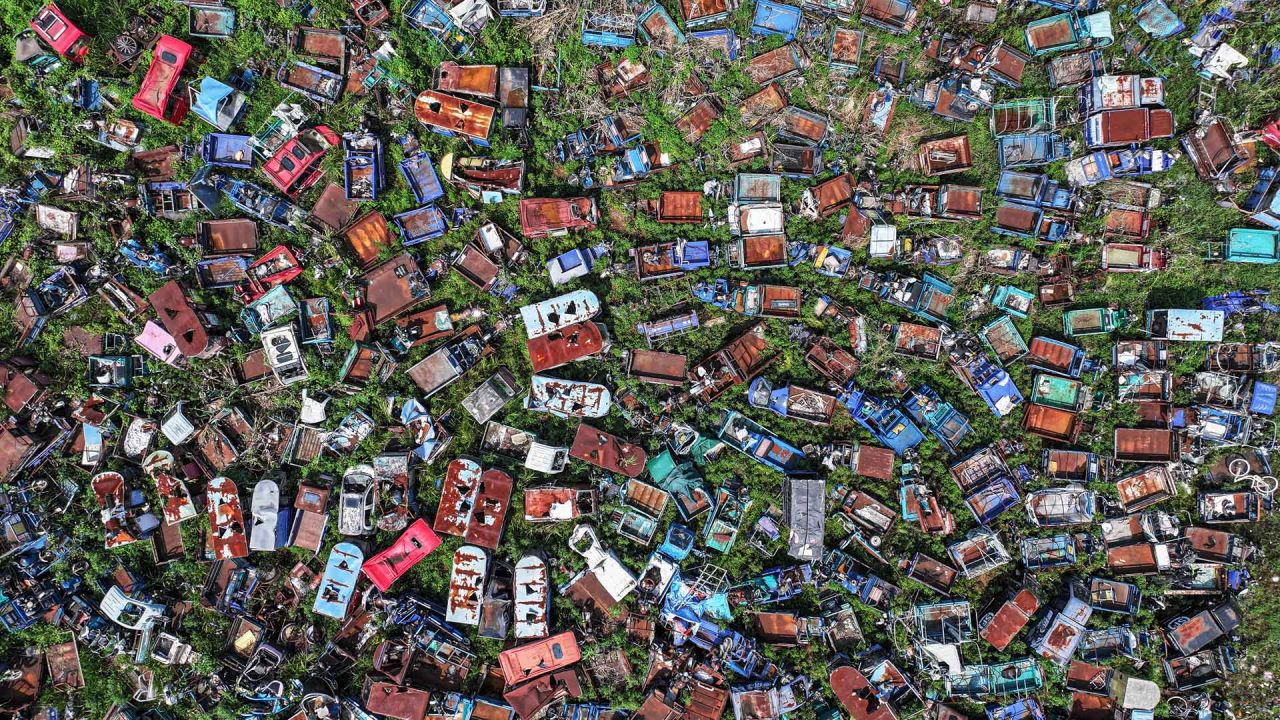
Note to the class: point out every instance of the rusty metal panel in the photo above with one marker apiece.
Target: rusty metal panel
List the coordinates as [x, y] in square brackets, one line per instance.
[466, 585]
[478, 80]
[607, 451]
[454, 114]
[1140, 445]
[535, 659]
[656, 367]
[532, 598]
[227, 539]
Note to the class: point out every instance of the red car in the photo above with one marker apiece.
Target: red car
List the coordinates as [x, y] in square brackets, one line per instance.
[57, 31]
[1270, 132]
[159, 96]
[416, 543]
[296, 165]
[277, 267]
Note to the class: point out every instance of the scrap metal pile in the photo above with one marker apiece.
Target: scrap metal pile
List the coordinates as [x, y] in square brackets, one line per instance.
[443, 400]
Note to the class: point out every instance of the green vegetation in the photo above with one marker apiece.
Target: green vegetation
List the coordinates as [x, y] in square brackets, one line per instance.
[1191, 215]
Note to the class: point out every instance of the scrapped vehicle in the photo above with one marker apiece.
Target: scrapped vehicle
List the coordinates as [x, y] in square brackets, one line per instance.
[450, 361]
[532, 598]
[753, 440]
[1104, 165]
[1248, 245]
[357, 505]
[321, 85]
[568, 399]
[608, 452]
[669, 260]
[284, 354]
[226, 150]
[362, 173]
[1068, 31]
[560, 312]
[159, 95]
[1094, 321]
[172, 490]
[388, 565]
[1132, 257]
[338, 584]
[296, 165]
[259, 203]
[53, 27]
[1127, 127]
[792, 401]
[550, 217]
[489, 397]
[484, 178]
[422, 178]
[1186, 325]
[267, 531]
[532, 660]
[123, 512]
[1031, 149]
[226, 539]
[466, 585]
[776, 301]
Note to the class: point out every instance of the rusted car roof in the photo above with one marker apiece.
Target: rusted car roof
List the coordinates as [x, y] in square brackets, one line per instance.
[834, 194]
[607, 451]
[391, 288]
[694, 9]
[698, 120]
[333, 208]
[677, 206]
[534, 659]
[1008, 621]
[1045, 353]
[1140, 559]
[476, 267]
[777, 63]
[454, 114]
[846, 45]
[931, 573]
[180, 319]
[763, 251]
[917, 340]
[479, 80]
[228, 236]
[1203, 629]
[565, 345]
[759, 106]
[1016, 216]
[1050, 422]
[396, 701]
[1147, 445]
[64, 665]
[875, 462]
[857, 695]
[656, 367]
[368, 237]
